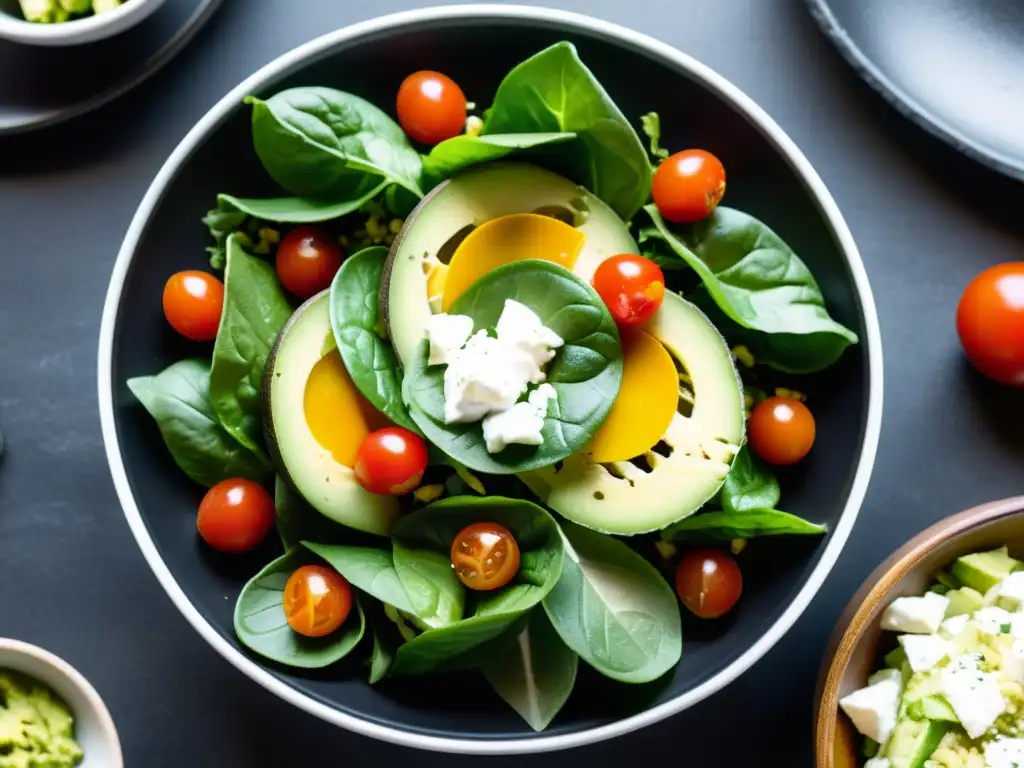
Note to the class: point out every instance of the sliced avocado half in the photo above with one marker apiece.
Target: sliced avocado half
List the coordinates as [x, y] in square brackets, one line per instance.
[690, 463]
[983, 570]
[306, 343]
[457, 206]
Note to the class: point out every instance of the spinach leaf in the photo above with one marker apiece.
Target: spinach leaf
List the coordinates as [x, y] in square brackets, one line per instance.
[438, 597]
[651, 125]
[385, 644]
[179, 400]
[291, 210]
[586, 372]
[535, 674]
[255, 310]
[297, 520]
[261, 626]
[614, 609]
[748, 524]
[554, 92]
[355, 318]
[368, 569]
[497, 616]
[756, 290]
[460, 152]
[749, 484]
[331, 145]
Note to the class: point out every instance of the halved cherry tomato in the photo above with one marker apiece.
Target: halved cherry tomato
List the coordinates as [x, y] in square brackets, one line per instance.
[990, 323]
[631, 286]
[431, 107]
[688, 185]
[317, 600]
[235, 515]
[485, 556]
[709, 582]
[193, 302]
[391, 461]
[307, 260]
[781, 430]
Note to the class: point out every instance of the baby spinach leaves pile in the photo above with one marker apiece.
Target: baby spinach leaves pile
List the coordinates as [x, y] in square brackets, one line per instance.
[586, 371]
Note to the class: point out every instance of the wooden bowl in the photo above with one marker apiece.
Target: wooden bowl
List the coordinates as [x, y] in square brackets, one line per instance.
[853, 650]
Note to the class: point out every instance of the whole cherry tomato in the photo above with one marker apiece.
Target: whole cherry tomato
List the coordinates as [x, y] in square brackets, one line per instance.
[193, 302]
[485, 556]
[781, 430]
[431, 107]
[307, 261]
[631, 286]
[391, 461]
[709, 582]
[990, 322]
[688, 186]
[235, 515]
[317, 600]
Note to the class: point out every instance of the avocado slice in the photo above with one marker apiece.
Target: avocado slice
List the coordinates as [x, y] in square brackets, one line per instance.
[455, 207]
[624, 498]
[913, 741]
[309, 467]
[963, 600]
[983, 570]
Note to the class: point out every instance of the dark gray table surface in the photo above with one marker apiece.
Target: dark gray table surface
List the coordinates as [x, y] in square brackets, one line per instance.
[72, 579]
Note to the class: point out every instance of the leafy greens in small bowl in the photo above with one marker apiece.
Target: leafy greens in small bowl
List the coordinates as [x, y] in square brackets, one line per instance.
[522, 400]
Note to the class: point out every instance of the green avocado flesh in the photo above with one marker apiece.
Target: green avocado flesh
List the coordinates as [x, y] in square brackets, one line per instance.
[983, 570]
[624, 498]
[473, 198]
[329, 486]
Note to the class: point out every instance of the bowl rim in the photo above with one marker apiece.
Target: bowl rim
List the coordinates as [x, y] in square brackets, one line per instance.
[867, 603]
[571, 22]
[75, 31]
[73, 676]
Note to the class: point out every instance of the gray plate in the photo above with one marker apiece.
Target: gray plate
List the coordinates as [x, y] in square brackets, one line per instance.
[953, 67]
[42, 86]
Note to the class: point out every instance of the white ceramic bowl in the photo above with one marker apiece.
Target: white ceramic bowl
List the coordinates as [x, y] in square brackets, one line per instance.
[94, 727]
[85, 30]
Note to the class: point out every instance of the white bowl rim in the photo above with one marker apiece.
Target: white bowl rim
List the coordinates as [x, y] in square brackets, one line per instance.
[84, 30]
[576, 22]
[76, 678]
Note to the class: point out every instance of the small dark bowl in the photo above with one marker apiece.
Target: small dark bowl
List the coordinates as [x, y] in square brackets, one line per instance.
[477, 45]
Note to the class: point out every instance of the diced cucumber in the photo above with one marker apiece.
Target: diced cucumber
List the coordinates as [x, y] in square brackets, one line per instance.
[913, 741]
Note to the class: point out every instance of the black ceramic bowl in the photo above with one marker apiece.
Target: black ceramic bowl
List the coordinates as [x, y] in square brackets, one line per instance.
[477, 45]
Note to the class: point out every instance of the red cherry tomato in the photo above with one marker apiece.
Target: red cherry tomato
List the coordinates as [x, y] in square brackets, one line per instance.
[485, 556]
[688, 185]
[990, 322]
[709, 582]
[781, 430]
[193, 302]
[235, 515]
[431, 107]
[307, 260]
[631, 286]
[391, 461]
[317, 600]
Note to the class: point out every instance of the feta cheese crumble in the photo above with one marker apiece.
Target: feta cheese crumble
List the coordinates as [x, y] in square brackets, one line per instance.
[974, 695]
[447, 334]
[1004, 753]
[917, 615]
[873, 709]
[924, 651]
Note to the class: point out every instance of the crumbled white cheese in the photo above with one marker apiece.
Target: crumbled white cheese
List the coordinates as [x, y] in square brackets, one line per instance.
[519, 424]
[521, 328]
[924, 651]
[873, 709]
[1012, 662]
[917, 615]
[993, 620]
[954, 625]
[1003, 752]
[1012, 588]
[974, 695]
[892, 675]
[877, 762]
[446, 334]
[540, 397]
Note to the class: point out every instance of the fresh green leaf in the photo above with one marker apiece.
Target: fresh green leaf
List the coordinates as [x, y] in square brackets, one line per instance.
[499, 615]
[297, 520]
[586, 371]
[756, 290]
[747, 524]
[383, 655]
[291, 210]
[261, 626]
[614, 609]
[331, 145]
[179, 400]
[554, 92]
[455, 154]
[355, 317]
[437, 596]
[651, 124]
[535, 674]
[749, 484]
[255, 310]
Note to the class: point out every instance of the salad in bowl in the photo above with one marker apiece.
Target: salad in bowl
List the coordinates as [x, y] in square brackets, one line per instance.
[504, 387]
